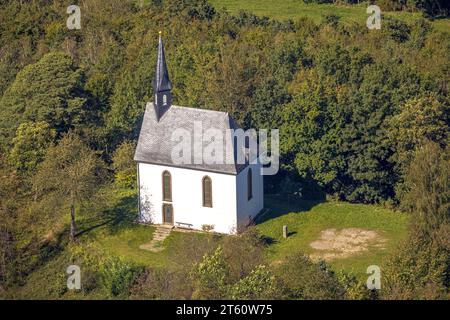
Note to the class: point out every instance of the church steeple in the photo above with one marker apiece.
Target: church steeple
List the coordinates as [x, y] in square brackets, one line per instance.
[161, 85]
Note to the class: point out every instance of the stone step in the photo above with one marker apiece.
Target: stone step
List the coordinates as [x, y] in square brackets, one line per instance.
[160, 233]
[165, 226]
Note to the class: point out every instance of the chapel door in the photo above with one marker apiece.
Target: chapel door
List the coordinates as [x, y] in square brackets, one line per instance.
[167, 214]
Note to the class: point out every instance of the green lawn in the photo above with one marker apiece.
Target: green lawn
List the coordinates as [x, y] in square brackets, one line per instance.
[293, 9]
[114, 232]
[306, 219]
[125, 243]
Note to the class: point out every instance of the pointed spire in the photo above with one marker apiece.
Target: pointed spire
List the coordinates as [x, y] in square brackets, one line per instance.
[162, 81]
[161, 84]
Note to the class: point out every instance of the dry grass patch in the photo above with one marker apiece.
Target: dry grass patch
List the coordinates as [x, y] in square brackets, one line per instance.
[335, 244]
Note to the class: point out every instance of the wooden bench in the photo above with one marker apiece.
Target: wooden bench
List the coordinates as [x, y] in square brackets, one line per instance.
[184, 225]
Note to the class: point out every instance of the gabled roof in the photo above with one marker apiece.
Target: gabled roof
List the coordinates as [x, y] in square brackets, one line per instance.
[155, 143]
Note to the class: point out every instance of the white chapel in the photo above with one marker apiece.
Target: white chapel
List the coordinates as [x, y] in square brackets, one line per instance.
[219, 196]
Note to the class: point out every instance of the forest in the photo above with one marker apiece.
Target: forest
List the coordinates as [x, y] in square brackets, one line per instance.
[363, 118]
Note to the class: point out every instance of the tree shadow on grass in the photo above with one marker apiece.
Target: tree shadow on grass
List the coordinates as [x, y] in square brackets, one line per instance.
[279, 205]
[123, 214]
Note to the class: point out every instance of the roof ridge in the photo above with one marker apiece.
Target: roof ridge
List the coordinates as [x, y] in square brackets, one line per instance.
[200, 109]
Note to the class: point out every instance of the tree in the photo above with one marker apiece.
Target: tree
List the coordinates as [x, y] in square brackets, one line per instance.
[124, 165]
[70, 174]
[420, 269]
[268, 97]
[30, 144]
[427, 188]
[9, 196]
[420, 119]
[49, 90]
[433, 7]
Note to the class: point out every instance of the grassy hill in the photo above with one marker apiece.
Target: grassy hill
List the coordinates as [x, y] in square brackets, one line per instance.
[308, 220]
[114, 233]
[294, 9]
[305, 220]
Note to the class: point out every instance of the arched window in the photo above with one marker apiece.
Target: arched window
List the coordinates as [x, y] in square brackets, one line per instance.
[164, 100]
[249, 184]
[167, 186]
[207, 191]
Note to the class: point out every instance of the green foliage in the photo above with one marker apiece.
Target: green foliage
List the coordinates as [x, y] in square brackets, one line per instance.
[420, 268]
[352, 106]
[331, 96]
[421, 119]
[124, 165]
[30, 145]
[117, 275]
[427, 188]
[433, 7]
[260, 284]
[304, 279]
[243, 253]
[398, 30]
[49, 90]
[267, 96]
[161, 284]
[354, 289]
[70, 174]
[209, 276]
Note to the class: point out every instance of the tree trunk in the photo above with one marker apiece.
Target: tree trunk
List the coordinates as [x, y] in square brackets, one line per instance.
[72, 222]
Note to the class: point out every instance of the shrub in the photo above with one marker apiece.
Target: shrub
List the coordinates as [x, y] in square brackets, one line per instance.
[116, 275]
[243, 253]
[161, 284]
[259, 284]
[209, 276]
[354, 289]
[305, 279]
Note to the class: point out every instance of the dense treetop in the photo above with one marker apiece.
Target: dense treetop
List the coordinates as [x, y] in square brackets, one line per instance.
[337, 92]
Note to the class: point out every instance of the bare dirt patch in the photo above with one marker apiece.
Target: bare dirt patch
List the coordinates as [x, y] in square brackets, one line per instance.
[334, 244]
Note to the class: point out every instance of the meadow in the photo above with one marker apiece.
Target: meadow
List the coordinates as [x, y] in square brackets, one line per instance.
[294, 9]
[115, 234]
[305, 219]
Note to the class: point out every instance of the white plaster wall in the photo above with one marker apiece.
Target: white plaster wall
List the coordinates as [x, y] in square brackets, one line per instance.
[187, 197]
[250, 208]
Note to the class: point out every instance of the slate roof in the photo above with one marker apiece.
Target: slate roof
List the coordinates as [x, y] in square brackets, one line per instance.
[161, 81]
[155, 143]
